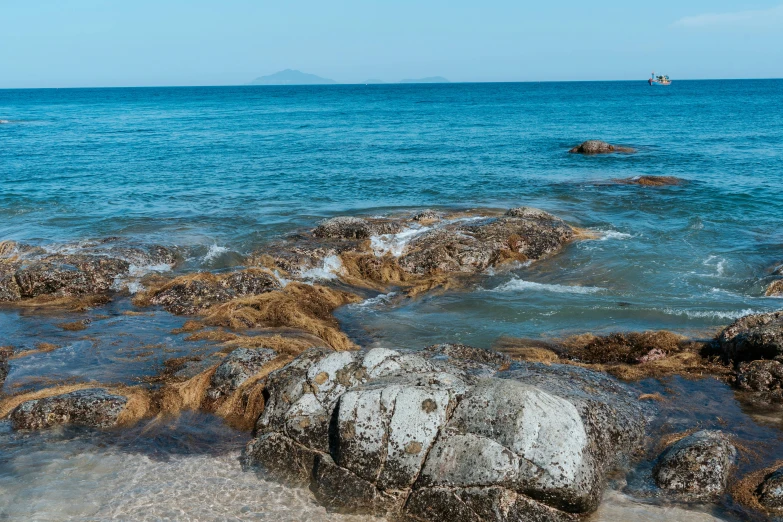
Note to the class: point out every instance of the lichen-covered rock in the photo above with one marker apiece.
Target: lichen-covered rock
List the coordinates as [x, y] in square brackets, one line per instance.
[598, 147]
[348, 227]
[771, 490]
[413, 435]
[91, 407]
[696, 466]
[472, 246]
[762, 378]
[236, 368]
[756, 336]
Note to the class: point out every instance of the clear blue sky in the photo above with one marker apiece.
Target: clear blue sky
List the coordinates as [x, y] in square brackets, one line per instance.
[71, 43]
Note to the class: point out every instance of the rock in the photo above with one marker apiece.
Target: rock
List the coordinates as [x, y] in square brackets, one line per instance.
[756, 336]
[651, 181]
[5, 353]
[599, 147]
[9, 289]
[426, 215]
[771, 490]
[236, 368]
[462, 433]
[348, 227]
[775, 289]
[469, 247]
[191, 294]
[762, 378]
[696, 466]
[92, 407]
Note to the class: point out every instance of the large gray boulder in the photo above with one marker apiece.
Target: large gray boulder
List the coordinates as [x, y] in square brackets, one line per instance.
[349, 227]
[697, 466]
[755, 336]
[416, 435]
[91, 407]
[763, 379]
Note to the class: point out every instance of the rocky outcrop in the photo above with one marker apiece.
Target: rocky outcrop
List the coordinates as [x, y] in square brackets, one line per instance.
[763, 379]
[599, 147]
[472, 246]
[415, 435]
[771, 490]
[775, 289]
[697, 466]
[236, 368]
[91, 407]
[188, 295]
[348, 227]
[94, 268]
[5, 353]
[651, 181]
[756, 336]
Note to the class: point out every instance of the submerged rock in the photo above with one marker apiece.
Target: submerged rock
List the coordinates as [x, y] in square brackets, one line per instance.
[697, 466]
[651, 181]
[92, 407]
[368, 430]
[236, 368]
[599, 147]
[756, 336]
[771, 490]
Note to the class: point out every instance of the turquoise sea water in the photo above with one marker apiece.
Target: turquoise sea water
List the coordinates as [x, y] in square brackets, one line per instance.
[222, 172]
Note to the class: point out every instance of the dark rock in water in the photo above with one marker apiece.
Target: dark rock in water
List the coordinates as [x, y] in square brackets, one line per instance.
[522, 234]
[771, 490]
[763, 378]
[5, 353]
[191, 294]
[756, 336]
[599, 147]
[426, 215]
[355, 228]
[775, 288]
[651, 181]
[697, 466]
[236, 368]
[514, 441]
[92, 407]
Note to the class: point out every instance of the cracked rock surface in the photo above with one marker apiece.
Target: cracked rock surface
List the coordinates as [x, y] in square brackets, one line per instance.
[420, 437]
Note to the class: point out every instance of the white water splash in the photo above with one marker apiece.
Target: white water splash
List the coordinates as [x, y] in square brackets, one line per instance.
[395, 244]
[613, 234]
[330, 269]
[520, 285]
[214, 251]
[131, 281]
[711, 314]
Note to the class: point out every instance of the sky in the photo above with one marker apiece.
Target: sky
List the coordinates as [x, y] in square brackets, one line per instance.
[95, 43]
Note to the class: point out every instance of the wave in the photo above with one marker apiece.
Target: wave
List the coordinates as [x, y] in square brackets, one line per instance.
[213, 252]
[613, 234]
[712, 314]
[131, 281]
[516, 285]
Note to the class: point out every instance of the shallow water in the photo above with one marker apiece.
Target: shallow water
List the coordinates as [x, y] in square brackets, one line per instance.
[222, 172]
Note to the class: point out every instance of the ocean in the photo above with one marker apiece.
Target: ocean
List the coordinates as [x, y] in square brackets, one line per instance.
[221, 172]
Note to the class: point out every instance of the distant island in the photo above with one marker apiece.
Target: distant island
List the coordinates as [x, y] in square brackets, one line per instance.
[291, 77]
[373, 81]
[430, 79]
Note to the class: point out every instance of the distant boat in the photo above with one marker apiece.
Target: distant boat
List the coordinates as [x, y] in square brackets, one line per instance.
[659, 80]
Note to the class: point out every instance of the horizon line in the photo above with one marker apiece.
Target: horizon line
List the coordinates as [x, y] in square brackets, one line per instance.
[398, 83]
